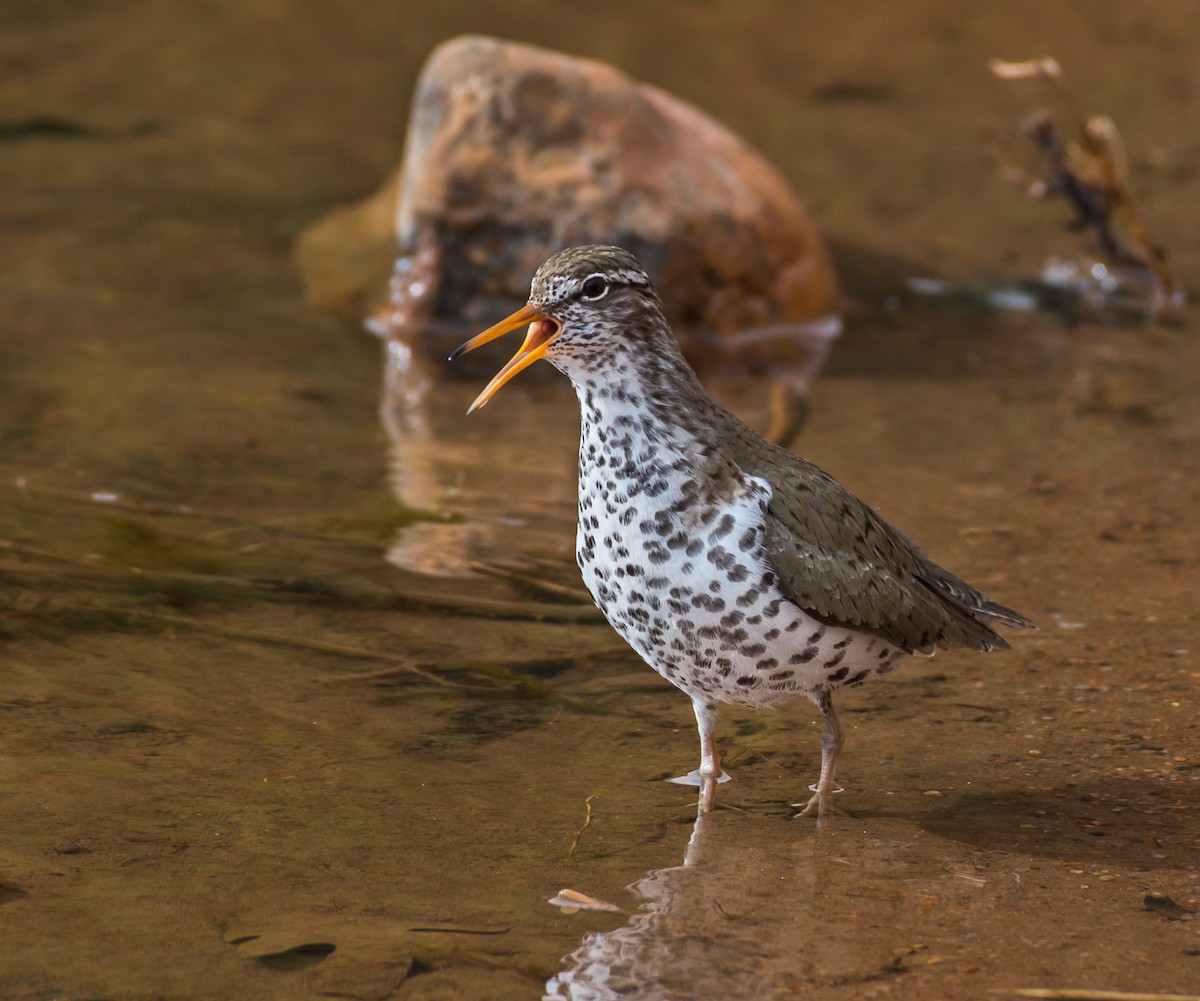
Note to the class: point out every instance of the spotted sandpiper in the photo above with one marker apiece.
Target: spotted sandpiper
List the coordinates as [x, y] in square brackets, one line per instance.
[739, 571]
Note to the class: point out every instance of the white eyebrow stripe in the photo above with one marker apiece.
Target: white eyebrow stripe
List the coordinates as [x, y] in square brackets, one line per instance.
[561, 287]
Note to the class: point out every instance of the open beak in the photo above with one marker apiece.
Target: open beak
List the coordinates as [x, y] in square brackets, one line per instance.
[542, 330]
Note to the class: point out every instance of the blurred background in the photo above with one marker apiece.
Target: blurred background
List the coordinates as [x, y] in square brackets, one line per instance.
[230, 720]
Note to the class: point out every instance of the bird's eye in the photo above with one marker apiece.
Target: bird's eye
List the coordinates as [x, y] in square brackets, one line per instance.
[596, 287]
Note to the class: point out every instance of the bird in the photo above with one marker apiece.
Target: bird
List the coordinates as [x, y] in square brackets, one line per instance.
[738, 570]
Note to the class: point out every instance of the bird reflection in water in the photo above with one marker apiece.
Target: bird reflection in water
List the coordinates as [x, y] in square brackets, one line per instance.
[486, 491]
[736, 919]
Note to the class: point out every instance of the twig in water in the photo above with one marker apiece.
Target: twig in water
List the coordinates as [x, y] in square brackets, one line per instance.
[1089, 170]
[276, 639]
[587, 819]
[529, 580]
[1084, 994]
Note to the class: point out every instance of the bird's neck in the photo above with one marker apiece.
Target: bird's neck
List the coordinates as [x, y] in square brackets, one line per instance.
[654, 400]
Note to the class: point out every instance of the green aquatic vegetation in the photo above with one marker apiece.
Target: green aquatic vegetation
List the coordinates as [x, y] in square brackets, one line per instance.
[382, 523]
[143, 545]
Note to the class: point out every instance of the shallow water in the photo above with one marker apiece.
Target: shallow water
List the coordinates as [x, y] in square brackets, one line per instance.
[252, 748]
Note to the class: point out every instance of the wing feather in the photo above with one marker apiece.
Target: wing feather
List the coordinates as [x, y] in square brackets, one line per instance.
[839, 560]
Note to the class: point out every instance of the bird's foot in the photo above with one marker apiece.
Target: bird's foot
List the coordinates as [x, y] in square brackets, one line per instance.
[820, 803]
[695, 778]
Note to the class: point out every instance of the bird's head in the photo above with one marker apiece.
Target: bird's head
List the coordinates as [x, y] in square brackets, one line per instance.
[584, 304]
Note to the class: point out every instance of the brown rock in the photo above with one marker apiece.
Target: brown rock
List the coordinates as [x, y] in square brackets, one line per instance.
[514, 152]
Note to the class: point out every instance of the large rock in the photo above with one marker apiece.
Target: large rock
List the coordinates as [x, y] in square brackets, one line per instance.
[514, 152]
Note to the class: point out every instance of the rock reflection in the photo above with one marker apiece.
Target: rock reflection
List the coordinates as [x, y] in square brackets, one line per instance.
[499, 487]
[759, 908]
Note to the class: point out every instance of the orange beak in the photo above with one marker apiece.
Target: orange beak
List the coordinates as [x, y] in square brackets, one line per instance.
[542, 330]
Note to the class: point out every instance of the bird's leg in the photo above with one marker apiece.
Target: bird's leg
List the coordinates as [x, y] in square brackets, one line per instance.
[709, 774]
[831, 747]
[710, 760]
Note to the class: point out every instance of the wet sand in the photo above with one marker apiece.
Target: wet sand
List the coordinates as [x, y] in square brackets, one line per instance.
[246, 754]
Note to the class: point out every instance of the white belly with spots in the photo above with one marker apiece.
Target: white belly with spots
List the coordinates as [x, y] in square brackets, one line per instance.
[687, 583]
